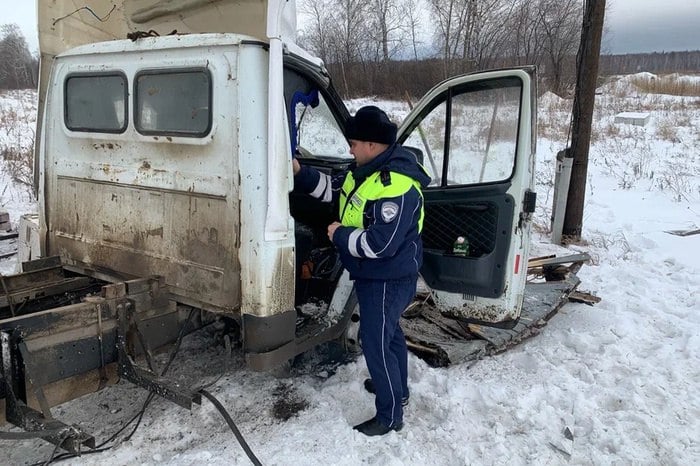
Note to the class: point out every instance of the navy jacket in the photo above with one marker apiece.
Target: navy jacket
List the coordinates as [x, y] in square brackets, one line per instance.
[388, 248]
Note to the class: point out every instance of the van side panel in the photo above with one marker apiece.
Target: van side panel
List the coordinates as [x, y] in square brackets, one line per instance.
[130, 205]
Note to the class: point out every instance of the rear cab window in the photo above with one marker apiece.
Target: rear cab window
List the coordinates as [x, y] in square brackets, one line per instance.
[96, 102]
[173, 102]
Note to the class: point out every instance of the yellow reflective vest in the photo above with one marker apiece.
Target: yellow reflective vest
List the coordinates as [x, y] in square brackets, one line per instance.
[379, 185]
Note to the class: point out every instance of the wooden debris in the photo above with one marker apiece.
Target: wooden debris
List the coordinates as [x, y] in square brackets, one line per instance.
[8, 234]
[555, 268]
[553, 260]
[695, 231]
[584, 297]
[441, 341]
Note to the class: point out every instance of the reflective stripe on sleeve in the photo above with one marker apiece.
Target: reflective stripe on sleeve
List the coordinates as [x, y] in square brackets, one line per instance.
[352, 242]
[365, 246]
[323, 188]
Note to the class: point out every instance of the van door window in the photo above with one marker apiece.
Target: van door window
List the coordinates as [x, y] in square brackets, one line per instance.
[479, 143]
[95, 103]
[483, 137]
[173, 103]
[318, 132]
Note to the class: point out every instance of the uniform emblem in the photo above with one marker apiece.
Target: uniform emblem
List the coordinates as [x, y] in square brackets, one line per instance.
[356, 201]
[389, 211]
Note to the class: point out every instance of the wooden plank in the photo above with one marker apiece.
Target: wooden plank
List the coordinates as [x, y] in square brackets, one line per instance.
[537, 262]
[43, 290]
[5, 235]
[8, 248]
[27, 280]
[583, 297]
[50, 262]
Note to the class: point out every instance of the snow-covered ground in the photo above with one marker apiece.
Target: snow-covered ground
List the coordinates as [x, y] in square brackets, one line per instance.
[623, 376]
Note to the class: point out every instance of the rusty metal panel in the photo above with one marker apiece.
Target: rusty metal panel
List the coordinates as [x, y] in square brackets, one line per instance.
[188, 238]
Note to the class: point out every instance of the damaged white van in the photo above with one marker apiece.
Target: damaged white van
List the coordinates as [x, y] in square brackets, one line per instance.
[165, 177]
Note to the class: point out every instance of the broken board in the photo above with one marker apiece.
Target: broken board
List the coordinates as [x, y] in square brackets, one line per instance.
[8, 243]
[441, 340]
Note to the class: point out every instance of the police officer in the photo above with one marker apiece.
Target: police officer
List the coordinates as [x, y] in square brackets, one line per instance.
[378, 239]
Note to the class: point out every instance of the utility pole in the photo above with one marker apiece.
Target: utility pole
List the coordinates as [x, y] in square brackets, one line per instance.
[584, 100]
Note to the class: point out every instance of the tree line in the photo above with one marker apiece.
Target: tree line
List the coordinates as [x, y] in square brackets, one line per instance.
[359, 39]
[19, 69]
[396, 47]
[393, 47]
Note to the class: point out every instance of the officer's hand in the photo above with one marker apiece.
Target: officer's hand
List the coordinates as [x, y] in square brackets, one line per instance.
[295, 166]
[331, 229]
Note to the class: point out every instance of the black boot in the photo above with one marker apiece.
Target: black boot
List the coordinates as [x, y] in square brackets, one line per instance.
[373, 427]
[369, 386]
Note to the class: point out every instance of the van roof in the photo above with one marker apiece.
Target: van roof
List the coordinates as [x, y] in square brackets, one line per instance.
[178, 41]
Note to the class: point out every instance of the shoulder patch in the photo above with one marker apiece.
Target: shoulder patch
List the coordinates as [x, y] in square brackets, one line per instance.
[389, 211]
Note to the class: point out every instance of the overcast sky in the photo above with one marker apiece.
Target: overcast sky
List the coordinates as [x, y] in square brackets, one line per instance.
[631, 25]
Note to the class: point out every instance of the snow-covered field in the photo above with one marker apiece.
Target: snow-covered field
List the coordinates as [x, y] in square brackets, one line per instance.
[623, 376]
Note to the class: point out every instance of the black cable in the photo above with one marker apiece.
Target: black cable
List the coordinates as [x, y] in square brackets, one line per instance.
[55, 449]
[233, 427]
[103, 19]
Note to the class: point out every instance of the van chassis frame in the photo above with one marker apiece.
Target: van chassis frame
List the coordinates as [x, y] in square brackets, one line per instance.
[37, 349]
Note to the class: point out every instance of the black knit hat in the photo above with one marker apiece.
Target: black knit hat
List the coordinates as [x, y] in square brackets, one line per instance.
[371, 124]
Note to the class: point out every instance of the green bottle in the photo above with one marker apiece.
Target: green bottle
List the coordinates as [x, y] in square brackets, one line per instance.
[461, 246]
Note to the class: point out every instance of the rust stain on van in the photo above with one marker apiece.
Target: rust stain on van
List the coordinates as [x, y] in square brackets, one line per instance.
[155, 232]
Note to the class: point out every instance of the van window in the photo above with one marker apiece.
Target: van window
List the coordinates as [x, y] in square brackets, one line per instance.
[175, 103]
[318, 131]
[480, 147]
[96, 103]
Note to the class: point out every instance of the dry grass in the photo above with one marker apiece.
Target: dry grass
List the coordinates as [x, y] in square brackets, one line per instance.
[17, 136]
[670, 85]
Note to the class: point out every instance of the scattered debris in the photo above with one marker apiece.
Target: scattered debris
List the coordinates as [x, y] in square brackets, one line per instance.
[5, 224]
[695, 231]
[584, 297]
[8, 243]
[441, 340]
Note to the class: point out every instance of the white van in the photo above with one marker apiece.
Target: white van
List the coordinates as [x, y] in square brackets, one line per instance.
[171, 156]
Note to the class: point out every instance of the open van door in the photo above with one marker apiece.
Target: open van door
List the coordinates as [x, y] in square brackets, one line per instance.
[476, 137]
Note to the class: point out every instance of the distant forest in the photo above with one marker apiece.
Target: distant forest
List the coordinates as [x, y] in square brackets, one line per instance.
[657, 63]
[396, 78]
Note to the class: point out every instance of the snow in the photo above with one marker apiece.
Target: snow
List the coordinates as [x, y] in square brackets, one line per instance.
[623, 375]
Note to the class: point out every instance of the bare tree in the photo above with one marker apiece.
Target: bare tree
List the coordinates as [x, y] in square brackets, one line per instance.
[470, 33]
[386, 26]
[446, 25]
[560, 25]
[317, 34]
[16, 63]
[410, 11]
[485, 34]
[337, 29]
